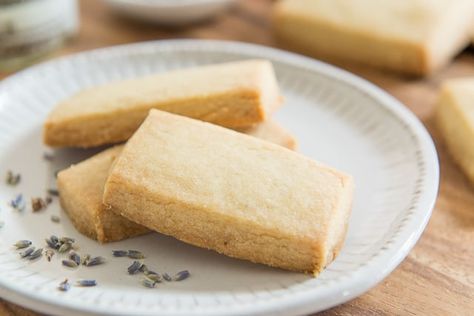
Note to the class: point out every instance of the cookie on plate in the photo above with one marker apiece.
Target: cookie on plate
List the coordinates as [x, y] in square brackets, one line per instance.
[273, 133]
[235, 95]
[238, 195]
[81, 188]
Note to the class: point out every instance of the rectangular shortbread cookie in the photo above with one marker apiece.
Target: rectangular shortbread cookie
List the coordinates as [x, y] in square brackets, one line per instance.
[240, 196]
[235, 95]
[81, 188]
[413, 37]
[455, 119]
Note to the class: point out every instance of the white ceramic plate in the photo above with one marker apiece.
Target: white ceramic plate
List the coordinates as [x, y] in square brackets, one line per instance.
[338, 118]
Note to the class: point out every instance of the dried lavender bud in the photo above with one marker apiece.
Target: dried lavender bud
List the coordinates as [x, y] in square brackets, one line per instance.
[64, 285]
[154, 276]
[148, 283]
[95, 261]
[35, 254]
[12, 178]
[87, 282]
[20, 244]
[18, 203]
[75, 257]
[27, 252]
[64, 247]
[182, 275]
[120, 253]
[38, 204]
[167, 277]
[53, 192]
[135, 254]
[69, 263]
[134, 267]
[49, 254]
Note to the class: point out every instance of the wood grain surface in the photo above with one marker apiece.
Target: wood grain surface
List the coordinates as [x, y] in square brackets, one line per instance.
[437, 277]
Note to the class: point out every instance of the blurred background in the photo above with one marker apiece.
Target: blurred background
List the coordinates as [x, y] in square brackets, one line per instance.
[35, 30]
[32, 31]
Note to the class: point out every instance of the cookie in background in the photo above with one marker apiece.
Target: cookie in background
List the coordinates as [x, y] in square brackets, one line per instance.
[455, 119]
[235, 95]
[240, 196]
[415, 37]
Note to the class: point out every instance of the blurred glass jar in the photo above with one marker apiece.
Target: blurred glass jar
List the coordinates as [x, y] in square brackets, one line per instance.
[29, 29]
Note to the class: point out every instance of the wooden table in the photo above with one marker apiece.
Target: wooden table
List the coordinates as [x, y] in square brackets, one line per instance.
[437, 277]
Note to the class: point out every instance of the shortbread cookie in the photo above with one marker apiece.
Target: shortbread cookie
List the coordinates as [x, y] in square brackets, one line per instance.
[81, 188]
[240, 196]
[413, 37]
[455, 119]
[274, 133]
[235, 95]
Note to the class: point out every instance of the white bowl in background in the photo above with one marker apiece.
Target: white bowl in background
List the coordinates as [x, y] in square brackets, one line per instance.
[169, 12]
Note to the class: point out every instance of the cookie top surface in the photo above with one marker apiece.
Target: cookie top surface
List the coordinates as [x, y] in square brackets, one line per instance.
[174, 159]
[413, 20]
